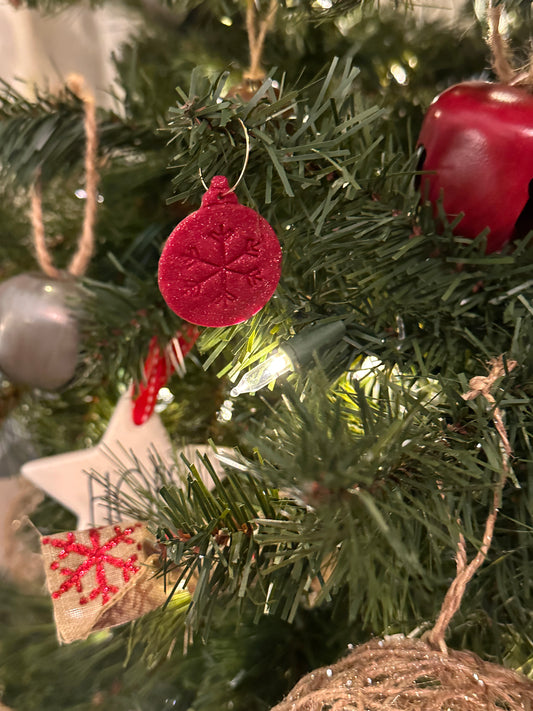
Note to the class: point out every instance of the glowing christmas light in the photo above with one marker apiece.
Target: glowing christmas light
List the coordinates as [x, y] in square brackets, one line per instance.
[278, 364]
[294, 353]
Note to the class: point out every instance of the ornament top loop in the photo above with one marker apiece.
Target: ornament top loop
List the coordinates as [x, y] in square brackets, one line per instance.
[218, 193]
[241, 175]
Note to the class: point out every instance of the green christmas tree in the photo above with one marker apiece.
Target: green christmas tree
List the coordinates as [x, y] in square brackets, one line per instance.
[329, 506]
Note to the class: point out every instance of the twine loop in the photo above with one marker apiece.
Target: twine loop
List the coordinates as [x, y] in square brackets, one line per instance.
[80, 261]
[501, 53]
[479, 385]
[482, 385]
[257, 30]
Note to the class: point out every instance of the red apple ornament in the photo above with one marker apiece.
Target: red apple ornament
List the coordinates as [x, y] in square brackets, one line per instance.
[222, 263]
[477, 141]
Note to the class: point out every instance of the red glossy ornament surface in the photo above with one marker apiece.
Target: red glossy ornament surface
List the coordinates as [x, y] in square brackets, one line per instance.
[221, 264]
[478, 139]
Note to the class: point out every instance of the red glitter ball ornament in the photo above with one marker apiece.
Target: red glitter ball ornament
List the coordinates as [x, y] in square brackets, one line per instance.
[477, 141]
[222, 263]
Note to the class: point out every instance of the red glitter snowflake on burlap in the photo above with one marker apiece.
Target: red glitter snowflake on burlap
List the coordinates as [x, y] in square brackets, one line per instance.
[96, 556]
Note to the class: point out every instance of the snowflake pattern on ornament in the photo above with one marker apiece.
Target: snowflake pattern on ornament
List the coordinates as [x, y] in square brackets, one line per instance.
[96, 556]
[227, 256]
[222, 263]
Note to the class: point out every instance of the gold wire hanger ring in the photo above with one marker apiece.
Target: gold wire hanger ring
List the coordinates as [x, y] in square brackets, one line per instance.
[246, 157]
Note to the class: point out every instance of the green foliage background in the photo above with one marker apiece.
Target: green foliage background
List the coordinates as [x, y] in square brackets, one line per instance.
[331, 518]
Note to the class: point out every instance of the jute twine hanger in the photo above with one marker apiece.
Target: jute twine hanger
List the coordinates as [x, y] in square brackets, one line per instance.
[80, 261]
[479, 385]
[501, 53]
[257, 30]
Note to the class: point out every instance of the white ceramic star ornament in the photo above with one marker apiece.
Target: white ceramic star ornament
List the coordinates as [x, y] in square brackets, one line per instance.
[124, 447]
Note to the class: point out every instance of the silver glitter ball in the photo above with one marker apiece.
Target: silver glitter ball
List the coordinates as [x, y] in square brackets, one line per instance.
[38, 332]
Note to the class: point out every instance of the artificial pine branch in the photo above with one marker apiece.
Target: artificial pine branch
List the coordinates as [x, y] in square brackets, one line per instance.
[373, 497]
[343, 537]
[366, 250]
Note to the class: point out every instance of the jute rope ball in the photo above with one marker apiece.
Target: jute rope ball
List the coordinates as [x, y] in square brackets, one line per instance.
[403, 674]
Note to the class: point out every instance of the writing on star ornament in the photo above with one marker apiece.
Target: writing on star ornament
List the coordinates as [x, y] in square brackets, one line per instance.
[222, 263]
[127, 454]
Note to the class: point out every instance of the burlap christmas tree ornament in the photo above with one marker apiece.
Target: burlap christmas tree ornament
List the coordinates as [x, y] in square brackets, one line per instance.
[100, 578]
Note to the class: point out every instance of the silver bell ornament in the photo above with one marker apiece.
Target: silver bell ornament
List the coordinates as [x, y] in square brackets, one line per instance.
[38, 332]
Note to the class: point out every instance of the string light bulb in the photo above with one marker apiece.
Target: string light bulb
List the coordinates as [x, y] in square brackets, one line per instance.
[294, 353]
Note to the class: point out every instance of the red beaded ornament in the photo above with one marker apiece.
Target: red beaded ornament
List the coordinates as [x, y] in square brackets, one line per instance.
[221, 264]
